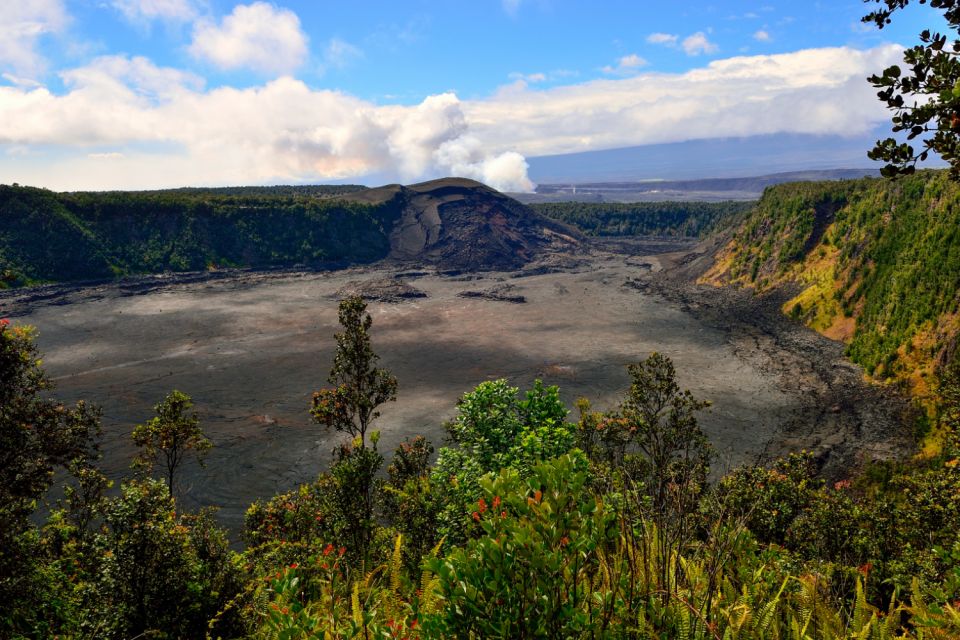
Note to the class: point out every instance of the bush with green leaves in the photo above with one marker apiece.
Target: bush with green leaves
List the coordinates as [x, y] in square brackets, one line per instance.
[495, 428]
[524, 575]
[158, 573]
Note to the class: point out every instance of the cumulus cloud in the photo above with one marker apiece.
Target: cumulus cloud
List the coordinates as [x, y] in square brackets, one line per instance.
[626, 65]
[22, 24]
[698, 43]
[139, 10]
[171, 131]
[257, 36]
[662, 38]
[174, 131]
[762, 36]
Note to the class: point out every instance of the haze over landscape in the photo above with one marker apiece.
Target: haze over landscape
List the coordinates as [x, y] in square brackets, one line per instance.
[501, 319]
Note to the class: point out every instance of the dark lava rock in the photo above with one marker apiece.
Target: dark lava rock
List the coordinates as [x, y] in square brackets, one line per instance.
[503, 293]
[381, 290]
[456, 223]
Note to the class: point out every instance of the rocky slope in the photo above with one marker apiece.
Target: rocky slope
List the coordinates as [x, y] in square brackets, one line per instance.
[461, 224]
[874, 264]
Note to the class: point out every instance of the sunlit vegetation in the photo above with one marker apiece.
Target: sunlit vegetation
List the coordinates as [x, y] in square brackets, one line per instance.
[878, 263]
[533, 523]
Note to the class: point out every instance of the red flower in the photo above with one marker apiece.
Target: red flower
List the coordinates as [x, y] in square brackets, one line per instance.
[342, 551]
[564, 541]
[4, 322]
[294, 565]
[476, 516]
[496, 502]
[503, 514]
[537, 496]
[327, 550]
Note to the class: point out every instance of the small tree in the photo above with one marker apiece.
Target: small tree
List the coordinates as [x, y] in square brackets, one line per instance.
[665, 456]
[359, 386]
[170, 436]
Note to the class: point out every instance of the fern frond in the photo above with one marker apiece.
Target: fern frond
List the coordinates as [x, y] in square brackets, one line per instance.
[396, 562]
[355, 605]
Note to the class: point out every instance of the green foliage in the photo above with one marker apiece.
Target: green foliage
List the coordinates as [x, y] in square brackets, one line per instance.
[47, 236]
[495, 429]
[675, 219]
[500, 430]
[155, 573]
[897, 264]
[358, 489]
[170, 436]
[926, 99]
[303, 517]
[359, 386]
[411, 503]
[341, 506]
[37, 436]
[523, 576]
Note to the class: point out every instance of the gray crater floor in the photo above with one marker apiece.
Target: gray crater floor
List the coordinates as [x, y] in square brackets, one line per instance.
[251, 349]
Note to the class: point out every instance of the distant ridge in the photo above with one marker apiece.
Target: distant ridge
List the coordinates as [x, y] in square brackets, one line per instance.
[729, 157]
[705, 189]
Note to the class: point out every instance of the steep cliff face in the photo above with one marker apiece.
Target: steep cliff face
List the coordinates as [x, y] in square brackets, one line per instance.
[875, 264]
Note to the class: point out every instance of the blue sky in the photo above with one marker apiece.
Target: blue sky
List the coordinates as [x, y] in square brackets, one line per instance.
[143, 93]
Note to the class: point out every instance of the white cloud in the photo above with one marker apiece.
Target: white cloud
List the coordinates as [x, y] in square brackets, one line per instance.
[698, 43]
[531, 78]
[20, 82]
[22, 24]
[662, 38]
[626, 65]
[511, 6]
[258, 36]
[172, 131]
[762, 36]
[339, 54]
[139, 10]
[815, 91]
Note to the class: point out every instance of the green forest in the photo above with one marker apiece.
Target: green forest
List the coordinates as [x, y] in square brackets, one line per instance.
[534, 522]
[673, 219]
[884, 255]
[55, 237]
